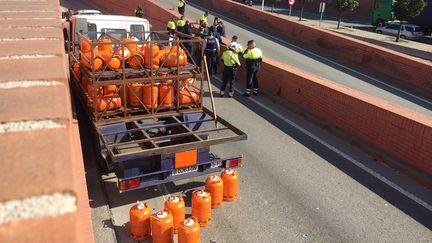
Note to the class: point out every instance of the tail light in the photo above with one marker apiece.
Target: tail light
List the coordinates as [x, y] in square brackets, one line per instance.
[235, 162]
[129, 184]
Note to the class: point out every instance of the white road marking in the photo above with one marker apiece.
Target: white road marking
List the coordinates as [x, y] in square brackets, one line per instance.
[323, 58]
[342, 154]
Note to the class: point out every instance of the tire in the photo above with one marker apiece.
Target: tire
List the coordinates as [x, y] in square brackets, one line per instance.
[380, 23]
[403, 37]
[379, 32]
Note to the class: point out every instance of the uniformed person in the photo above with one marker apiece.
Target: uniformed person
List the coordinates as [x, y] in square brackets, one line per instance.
[171, 26]
[231, 62]
[238, 47]
[203, 19]
[211, 47]
[253, 58]
[180, 24]
[181, 4]
[138, 12]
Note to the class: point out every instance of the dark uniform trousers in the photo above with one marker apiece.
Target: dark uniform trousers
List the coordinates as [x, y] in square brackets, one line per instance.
[252, 77]
[211, 56]
[181, 10]
[228, 77]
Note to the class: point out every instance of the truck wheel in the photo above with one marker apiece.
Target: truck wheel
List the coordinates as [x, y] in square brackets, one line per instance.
[403, 37]
[379, 32]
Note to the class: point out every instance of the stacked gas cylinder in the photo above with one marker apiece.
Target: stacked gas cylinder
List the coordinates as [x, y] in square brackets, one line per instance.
[135, 58]
[172, 219]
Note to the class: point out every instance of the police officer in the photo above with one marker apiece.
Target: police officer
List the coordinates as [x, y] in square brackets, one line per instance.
[138, 12]
[203, 19]
[238, 47]
[211, 47]
[253, 57]
[181, 4]
[231, 62]
[171, 26]
[181, 23]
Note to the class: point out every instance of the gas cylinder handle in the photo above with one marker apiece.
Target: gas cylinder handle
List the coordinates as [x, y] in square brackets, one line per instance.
[140, 205]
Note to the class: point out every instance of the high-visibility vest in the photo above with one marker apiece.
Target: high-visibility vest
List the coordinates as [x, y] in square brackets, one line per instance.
[230, 58]
[171, 25]
[254, 53]
[238, 47]
[180, 4]
[203, 18]
[181, 23]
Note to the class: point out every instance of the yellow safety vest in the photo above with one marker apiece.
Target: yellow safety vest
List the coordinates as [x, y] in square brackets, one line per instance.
[203, 18]
[181, 23]
[230, 58]
[171, 25]
[180, 4]
[254, 53]
[238, 47]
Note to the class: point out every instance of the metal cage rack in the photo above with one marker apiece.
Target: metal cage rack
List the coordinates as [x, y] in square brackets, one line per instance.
[125, 76]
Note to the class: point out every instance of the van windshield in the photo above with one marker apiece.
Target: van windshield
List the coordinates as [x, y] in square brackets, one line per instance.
[117, 33]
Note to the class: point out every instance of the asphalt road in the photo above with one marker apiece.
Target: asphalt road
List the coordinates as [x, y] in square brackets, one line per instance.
[298, 184]
[294, 55]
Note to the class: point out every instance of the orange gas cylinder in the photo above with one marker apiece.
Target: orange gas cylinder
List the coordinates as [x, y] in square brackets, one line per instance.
[131, 44]
[105, 47]
[109, 89]
[135, 94]
[162, 227]
[230, 181]
[154, 49]
[113, 101]
[147, 95]
[166, 94]
[139, 215]
[137, 60]
[201, 206]
[114, 62]
[189, 231]
[177, 207]
[171, 58]
[189, 81]
[214, 185]
[76, 69]
[125, 52]
[90, 90]
[188, 97]
[97, 60]
[85, 46]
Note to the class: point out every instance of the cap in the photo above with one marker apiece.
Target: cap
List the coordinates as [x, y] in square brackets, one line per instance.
[174, 199]
[162, 214]
[234, 37]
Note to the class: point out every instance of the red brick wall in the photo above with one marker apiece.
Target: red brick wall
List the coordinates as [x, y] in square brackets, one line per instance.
[406, 70]
[40, 150]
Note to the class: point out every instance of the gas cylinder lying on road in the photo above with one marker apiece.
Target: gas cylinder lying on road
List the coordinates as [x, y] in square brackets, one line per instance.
[214, 185]
[177, 207]
[230, 181]
[139, 215]
[201, 207]
[162, 227]
[189, 231]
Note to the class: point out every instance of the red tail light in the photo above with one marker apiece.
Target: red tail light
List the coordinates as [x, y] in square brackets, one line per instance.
[134, 183]
[129, 184]
[235, 162]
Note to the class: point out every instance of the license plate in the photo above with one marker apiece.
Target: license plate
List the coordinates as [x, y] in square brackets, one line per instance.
[185, 170]
[217, 163]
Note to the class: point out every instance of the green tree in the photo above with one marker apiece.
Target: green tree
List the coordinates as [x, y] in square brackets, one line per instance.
[302, 3]
[407, 9]
[343, 6]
